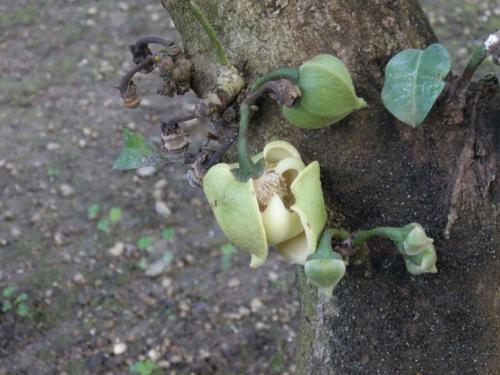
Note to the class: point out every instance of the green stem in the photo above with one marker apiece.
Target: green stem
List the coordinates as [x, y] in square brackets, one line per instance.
[480, 54]
[291, 74]
[477, 58]
[324, 249]
[219, 50]
[247, 168]
[393, 234]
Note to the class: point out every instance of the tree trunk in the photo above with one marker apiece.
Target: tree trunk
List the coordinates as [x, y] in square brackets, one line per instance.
[377, 171]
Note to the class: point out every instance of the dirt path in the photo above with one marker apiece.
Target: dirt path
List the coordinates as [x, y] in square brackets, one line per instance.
[98, 281]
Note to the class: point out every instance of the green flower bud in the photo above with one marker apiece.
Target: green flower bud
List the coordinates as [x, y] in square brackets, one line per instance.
[415, 240]
[424, 261]
[327, 94]
[325, 268]
[417, 249]
[283, 207]
[325, 273]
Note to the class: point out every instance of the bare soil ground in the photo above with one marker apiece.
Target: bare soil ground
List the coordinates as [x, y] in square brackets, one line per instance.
[93, 279]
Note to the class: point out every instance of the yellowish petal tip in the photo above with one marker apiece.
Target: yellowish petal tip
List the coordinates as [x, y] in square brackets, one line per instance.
[256, 261]
[277, 150]
[362, 103]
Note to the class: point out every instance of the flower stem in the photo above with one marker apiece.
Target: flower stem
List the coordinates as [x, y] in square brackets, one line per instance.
[476, 60]
[285, 93]
[247, 168]
[393, 234]
[292, 74]
[325, 244]
[219, 50]
[481, 53]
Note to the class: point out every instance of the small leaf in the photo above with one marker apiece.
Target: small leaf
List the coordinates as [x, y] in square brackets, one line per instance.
[228, 250]
[145, 242]
[103, 225]
[6, 306]
[9, 291]
[93, 211]
[21, 298]
[53, 172]
[146, 367]
[143, 263]
[115, 214]
[136, 152]
[168, 257]
[413, 82]
[23, 310]
[276, 363]
[168, 233]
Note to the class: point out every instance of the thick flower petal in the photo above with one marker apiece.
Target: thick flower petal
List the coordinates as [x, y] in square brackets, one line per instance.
[309, 203]
[301, 118]
[423, 262]
[280, 223]
[290, 168]
[296, 249]
[327, 88]
[416, 240]
[325, 273]
[237, 212]
[277, 150]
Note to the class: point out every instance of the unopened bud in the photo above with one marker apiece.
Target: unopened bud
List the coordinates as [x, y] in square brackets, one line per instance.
[415, 240]
[423, 262]
[325, 273]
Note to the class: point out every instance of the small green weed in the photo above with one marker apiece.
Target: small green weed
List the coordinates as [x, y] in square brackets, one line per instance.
[104, 224]
[168, 233]
[18, 304]
[228, 250]
[93, 211]
[145, 242]
[146, 367]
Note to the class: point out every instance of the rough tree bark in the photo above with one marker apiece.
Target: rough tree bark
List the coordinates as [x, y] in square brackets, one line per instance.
[377, 171]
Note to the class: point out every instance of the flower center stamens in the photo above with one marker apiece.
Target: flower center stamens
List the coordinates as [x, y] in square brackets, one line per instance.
[269, 184]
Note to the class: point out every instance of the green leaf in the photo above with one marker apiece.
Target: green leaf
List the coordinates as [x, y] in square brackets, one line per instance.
[53, 172]
[93, 211]
[143, 263]
[168, 257]
[103, 225]
[413, 82]
[226, 262]
[136, 152]
[168, 233]
[6, 306]
[115, 214]
[145, 242]
[276, 363]
[228, 250]
[23, 310]
[21, 298]
[146, 367]
[9, 291]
